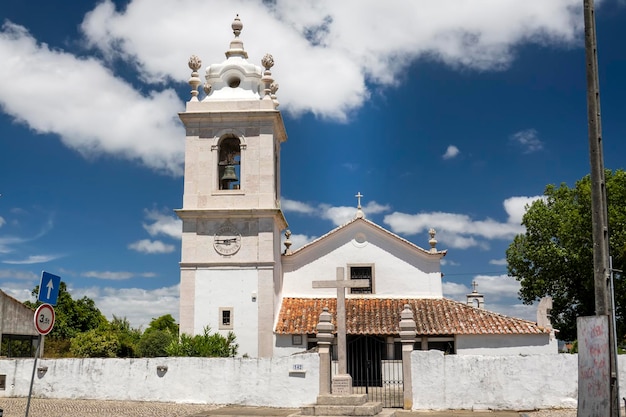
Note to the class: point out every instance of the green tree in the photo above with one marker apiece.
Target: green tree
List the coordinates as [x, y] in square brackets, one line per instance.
[154, 343]
[161, 332]
[71, 316]
[127, 337]
[204, 345]
[555, 255]
[165, 323]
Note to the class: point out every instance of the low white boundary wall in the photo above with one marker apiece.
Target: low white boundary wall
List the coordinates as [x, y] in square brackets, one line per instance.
[278, 382]
[439, 381]
[497, 382]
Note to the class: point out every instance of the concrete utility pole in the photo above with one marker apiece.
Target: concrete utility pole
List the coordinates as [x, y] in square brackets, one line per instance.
[600, 224]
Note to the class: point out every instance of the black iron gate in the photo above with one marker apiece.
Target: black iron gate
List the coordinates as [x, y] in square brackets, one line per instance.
[376, 369]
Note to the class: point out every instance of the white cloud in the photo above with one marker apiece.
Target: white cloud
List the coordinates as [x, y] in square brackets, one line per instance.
[454, 290]
[451, 152]
[342, 214]
[163, 224]
[80, 100]
[32, 259]
[296, 206]
[298, 240]
[500, 293]
[115, 275]
[498, 261]
[497, 287]
[515, 207]
[528, 139]
[2, 221]
[359, 44]
[151, 246]
[338, 215]
[456, 230]
[138, 305]
[17, 274]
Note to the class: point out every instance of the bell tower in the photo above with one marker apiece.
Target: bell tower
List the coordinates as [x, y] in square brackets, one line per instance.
[230, 269]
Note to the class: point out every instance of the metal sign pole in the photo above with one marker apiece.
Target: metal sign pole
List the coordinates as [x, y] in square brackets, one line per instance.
[32, 378]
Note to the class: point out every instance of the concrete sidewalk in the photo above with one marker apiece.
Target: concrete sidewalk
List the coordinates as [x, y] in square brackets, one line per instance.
[48, 407]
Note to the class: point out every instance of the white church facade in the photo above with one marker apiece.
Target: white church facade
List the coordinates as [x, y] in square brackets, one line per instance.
[237, 276]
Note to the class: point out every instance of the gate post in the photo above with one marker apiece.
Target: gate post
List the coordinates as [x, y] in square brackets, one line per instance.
[407, 337]
[324, 340]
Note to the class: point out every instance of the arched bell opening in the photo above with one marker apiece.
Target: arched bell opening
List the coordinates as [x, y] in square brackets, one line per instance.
[229, 165]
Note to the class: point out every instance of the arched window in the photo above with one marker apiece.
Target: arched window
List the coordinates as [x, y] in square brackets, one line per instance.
[229, 163]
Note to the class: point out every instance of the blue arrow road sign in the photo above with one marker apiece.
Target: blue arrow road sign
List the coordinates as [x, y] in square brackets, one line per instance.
[49, 288]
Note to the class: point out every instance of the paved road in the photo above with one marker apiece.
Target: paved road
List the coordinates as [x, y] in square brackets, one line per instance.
[47, 407]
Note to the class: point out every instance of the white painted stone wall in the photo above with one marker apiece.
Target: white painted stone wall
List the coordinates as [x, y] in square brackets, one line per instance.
[497, 382]
[229, 288]
[259, 382]
[439, 381]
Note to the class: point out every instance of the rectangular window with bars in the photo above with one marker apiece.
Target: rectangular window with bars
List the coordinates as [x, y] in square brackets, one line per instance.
[226, 318]
[361, 272]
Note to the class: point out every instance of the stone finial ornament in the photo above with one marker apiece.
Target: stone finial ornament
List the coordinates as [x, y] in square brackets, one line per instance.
[237, 26]
[194, 64]
[432, 241]
[287, 242]
[407, 324]
[267, 61]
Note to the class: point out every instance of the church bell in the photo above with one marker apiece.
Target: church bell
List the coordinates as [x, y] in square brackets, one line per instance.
[229, 174]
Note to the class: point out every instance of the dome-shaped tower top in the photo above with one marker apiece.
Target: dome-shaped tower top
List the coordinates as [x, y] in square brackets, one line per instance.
[236, 78]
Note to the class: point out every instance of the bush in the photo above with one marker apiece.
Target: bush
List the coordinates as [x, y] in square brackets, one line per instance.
[95, 344]
[154, 343]
[204, 345]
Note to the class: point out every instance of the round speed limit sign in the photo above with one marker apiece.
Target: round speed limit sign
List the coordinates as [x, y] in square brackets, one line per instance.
[44, 319]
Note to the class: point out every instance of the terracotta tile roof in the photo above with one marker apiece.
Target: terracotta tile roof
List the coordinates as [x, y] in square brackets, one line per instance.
[381, 316]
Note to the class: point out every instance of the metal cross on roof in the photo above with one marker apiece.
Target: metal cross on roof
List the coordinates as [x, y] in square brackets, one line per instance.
[358, 196]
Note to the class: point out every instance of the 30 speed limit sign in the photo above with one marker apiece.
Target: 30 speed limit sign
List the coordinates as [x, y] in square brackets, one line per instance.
[44, 319]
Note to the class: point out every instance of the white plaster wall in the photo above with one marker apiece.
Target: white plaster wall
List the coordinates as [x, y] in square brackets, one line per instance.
[439, 381]
[259, 382]
[216, 288]
[500, 345]
[496, 382]
[398, 272]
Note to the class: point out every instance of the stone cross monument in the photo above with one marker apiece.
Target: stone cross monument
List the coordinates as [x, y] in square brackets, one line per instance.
[342, 382]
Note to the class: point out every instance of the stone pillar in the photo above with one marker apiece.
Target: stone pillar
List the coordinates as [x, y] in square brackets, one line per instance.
[324, 340]
[407, 336]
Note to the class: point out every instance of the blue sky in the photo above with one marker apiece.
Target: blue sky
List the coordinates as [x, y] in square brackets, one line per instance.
[448, 114]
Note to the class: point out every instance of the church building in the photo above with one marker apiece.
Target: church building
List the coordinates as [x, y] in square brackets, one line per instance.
[237, 276]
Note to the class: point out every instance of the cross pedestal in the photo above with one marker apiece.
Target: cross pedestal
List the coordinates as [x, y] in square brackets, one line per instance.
[342, 382]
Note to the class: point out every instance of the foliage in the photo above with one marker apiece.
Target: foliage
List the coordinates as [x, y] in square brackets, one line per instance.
[17, 347]
[204, 345]
[161, 332]
[164, 323]
[555, 255]
[95, 343]
[71, 316]
[154, 343]
[126, 335]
